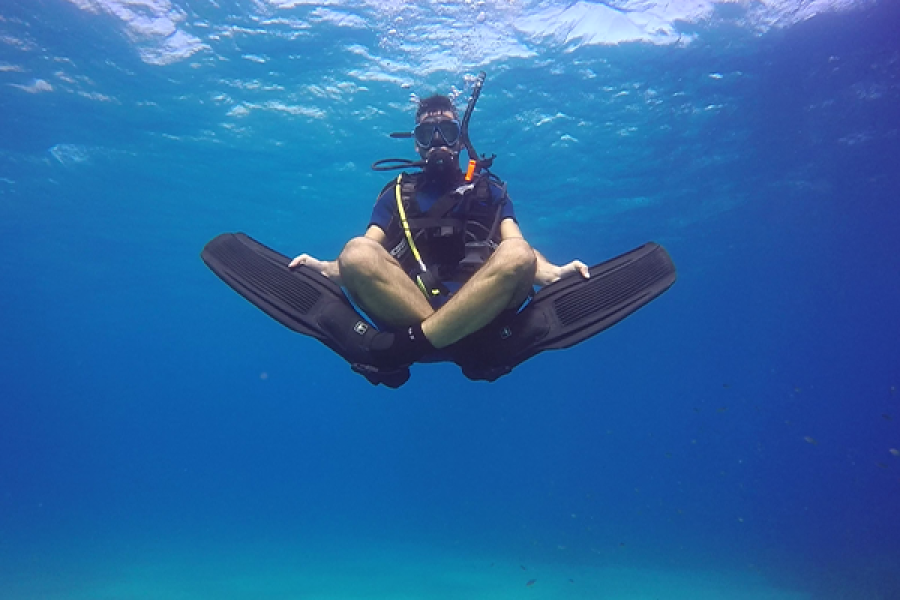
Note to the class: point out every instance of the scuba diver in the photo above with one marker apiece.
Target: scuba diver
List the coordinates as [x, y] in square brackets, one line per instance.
[443, 254]
[443, 271]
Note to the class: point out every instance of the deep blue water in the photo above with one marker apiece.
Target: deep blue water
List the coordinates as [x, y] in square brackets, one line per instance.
[747, 422]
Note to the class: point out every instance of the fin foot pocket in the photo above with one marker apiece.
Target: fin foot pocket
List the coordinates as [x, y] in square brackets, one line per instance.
[392, 378]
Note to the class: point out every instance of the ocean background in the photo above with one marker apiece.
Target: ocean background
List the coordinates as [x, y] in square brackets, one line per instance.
[736, 439]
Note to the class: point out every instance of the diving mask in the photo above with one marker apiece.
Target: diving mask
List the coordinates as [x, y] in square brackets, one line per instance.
[447, 129]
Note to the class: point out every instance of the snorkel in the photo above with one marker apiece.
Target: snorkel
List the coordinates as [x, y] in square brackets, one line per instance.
[475, 164]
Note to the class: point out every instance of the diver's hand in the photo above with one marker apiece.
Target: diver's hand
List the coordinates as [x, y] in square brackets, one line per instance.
[576, 266]
[328, 268]
[548, 273]
[306, 259]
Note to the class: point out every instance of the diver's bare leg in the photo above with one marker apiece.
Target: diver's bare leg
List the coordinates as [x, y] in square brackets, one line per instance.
[504, 281]
[379, 285]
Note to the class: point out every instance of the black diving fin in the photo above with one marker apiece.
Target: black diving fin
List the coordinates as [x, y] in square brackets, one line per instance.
[559, 315]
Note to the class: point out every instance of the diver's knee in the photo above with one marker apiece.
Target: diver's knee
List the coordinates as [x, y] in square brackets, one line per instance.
[517, 258]
[359, 256]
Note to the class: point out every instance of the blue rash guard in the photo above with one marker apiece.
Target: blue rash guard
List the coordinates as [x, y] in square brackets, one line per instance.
[385, 210]
[386, 217]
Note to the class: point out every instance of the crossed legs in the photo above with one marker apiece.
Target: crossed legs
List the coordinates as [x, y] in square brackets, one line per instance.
[379, 285]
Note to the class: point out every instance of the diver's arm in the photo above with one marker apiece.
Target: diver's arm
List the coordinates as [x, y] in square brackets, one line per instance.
[546, 272]
[374, 232]
[329, 268]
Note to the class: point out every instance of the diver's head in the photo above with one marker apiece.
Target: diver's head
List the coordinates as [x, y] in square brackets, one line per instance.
[438, 138]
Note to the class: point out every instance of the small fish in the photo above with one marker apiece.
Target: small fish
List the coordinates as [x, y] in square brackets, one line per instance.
[531, 582]
[894, 451]
[882, 465]
[523, 567]
[722, 409]
[811, 440]
[886, 416]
